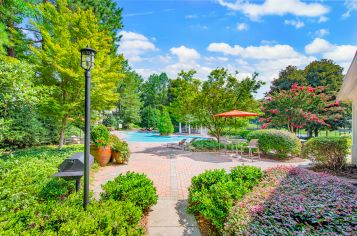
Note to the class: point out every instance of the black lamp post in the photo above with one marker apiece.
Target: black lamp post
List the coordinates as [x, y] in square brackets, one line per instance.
[87, 63]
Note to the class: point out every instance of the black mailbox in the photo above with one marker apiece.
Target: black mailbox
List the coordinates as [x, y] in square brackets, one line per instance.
[73, 168]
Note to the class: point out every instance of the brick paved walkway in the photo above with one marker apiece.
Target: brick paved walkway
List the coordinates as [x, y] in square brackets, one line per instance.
[171, 171]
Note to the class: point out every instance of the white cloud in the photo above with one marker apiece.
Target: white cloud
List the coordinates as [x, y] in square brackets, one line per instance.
[145, 72]
[318, 46]
[191, 16]
[296, 23]
[351, 6]
[276, 7]
[321, 33]
[255, 52]
[322, 19]
[339, 53]
[216, 59]
[185, 54]
[268, 42]
[133, 45]
[242, 26]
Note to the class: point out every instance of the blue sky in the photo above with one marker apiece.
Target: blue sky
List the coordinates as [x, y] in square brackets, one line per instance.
[249, 36]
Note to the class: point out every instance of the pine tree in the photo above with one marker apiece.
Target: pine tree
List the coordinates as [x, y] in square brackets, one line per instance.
[165, 124]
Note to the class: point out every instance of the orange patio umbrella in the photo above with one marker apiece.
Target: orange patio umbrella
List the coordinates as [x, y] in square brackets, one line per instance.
[236, 113]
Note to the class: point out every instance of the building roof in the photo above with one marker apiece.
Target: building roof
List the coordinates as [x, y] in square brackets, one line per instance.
[348, 90]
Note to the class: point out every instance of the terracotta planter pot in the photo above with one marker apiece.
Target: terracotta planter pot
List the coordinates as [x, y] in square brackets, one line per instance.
[117, 157]
[101, 154]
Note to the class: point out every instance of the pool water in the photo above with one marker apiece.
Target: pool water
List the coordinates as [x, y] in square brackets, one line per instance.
[153, 137]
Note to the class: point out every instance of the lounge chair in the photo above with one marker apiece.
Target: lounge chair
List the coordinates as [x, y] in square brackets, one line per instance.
[179, 145]
[187, 144]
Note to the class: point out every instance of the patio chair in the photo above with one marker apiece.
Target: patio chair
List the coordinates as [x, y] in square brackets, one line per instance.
[179, 145]
[238, 150]
[253, 144]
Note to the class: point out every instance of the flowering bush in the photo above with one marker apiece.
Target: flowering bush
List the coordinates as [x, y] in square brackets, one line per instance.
[278, 142]
[329, 152]
[294, 201]
[213, 192]
[301, 107]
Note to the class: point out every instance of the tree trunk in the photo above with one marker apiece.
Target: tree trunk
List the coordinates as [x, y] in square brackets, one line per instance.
[11, 49]
[316, 132]
[309, 133]
[63, 127]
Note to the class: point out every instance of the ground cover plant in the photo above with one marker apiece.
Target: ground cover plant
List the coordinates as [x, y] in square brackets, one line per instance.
[213, 193]
[34, 203]
[278, 142]
[295, 201]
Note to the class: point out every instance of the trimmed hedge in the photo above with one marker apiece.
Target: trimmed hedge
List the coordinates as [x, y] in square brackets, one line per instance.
[212, 193]
[295, 201]
[278, 142]
[133, 187]
[32, 202]
[211, 145]
[329, 152]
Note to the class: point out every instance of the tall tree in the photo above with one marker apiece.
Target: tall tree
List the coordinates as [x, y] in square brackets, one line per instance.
[12, 30]
[129, 104]
[165, 124]
[154, 90]
[150, 117]
[287, 77]
[64, 31]
[109, 15]
[182, 93]
[324, 73]
[223, 92]
[21, 124]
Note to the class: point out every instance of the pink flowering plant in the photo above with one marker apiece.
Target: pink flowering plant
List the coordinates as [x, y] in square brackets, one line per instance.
[301, 107]
[295, 201]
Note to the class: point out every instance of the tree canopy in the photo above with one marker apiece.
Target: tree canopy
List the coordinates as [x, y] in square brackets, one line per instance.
[63, 32]
[223, 92]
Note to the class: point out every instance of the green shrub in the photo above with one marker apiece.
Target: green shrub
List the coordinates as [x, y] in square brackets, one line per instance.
[329, 152]
[133, 187]
[278, 142]
[32, 202]
[249, 174]
[107, 217]
[212, 193]
[205, 144]
[213, 145]
[100, 135]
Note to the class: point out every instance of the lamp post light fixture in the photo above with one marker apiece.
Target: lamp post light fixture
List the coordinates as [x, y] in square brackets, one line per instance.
[87, 63]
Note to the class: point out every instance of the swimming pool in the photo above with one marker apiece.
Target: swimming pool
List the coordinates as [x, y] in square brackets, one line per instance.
[153, 137]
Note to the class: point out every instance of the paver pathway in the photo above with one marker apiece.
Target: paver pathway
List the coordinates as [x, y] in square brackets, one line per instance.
[171, 171]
